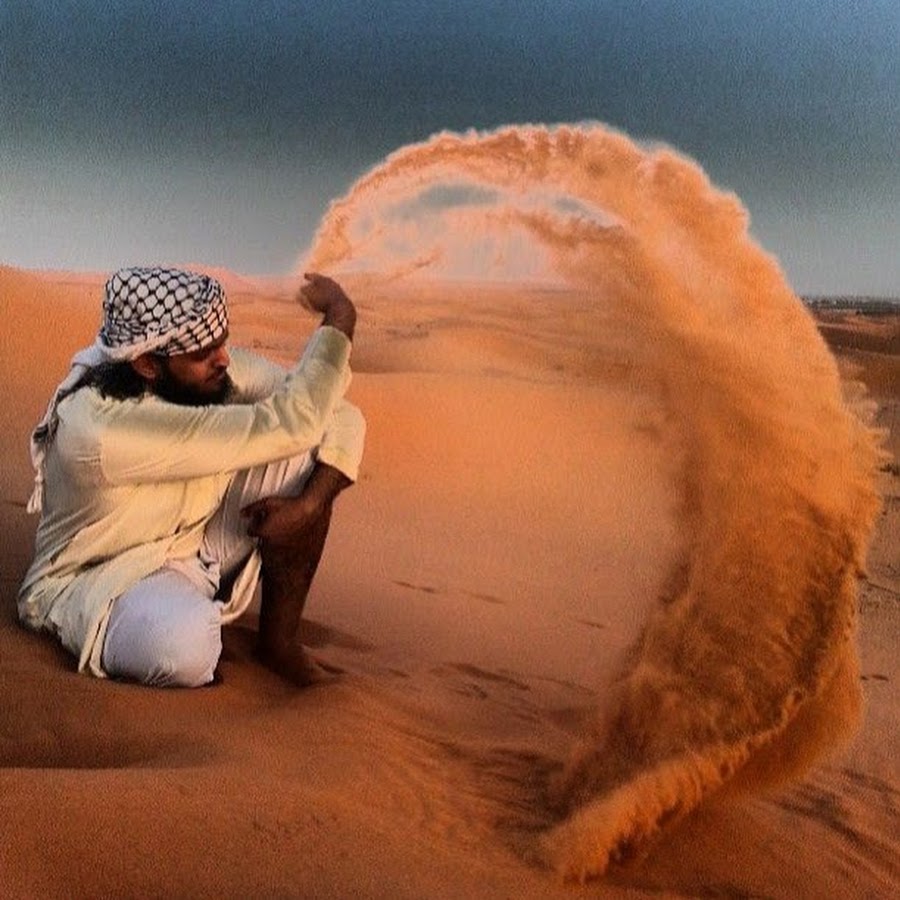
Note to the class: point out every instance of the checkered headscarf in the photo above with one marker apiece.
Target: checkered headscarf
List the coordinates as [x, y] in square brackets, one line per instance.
[145, 310]
[167, 310]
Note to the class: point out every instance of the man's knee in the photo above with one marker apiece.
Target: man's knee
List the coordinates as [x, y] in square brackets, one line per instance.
[189, 653]
[166, 650]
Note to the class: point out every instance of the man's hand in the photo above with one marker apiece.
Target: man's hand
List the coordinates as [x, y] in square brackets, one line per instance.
[324, 295]
[279, 520]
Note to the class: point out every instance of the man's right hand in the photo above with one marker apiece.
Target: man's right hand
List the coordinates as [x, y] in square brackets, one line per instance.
[324, 295]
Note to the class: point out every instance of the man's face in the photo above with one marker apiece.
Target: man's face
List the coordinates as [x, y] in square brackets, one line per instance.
[197, 378]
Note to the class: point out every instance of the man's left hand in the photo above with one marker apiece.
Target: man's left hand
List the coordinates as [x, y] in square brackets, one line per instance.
[280, 520]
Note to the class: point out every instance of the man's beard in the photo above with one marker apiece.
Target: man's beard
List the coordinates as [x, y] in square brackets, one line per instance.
[169, 388]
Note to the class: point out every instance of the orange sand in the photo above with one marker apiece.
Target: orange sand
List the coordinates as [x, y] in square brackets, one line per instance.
[515, 519]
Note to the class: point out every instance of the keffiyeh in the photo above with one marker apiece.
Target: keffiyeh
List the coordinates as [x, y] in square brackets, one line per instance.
[145, 310]
[168, 311]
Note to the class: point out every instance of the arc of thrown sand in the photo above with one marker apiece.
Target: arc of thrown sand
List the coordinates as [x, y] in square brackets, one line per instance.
[659, 760]
[794, 659]
[619, 801]
[662, 754]
[586, 162]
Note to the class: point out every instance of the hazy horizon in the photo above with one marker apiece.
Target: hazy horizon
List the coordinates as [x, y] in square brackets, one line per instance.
[135, 135]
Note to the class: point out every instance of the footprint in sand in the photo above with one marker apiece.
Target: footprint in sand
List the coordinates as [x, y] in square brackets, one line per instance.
[424, 588]
[476, 680]
[428, 589]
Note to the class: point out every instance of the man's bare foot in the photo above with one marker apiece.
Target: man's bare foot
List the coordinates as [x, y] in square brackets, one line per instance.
[297, 666]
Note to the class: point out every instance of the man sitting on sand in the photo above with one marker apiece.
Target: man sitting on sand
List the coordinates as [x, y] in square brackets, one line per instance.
[172, 472]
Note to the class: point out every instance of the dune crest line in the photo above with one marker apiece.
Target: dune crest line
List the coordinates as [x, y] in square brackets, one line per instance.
[746, 671]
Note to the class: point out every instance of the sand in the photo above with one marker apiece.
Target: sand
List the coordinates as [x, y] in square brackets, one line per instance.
[615, 597]
[514, 524]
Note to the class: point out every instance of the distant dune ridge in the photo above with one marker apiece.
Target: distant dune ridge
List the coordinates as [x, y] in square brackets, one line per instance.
[595, 594]
[753, 645]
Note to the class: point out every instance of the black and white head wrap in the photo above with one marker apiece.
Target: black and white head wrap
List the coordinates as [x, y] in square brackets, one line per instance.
[145, 310]
[168, 311]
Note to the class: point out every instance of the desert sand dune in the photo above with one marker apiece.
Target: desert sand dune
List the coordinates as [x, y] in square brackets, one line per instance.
[595, 595]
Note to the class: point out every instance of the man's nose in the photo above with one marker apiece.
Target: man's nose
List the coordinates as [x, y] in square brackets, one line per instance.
[222, 359]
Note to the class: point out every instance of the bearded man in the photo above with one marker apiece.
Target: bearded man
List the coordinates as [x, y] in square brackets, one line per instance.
[172, 474]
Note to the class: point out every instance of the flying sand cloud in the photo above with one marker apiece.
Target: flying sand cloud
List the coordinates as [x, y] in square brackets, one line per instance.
[746, 667]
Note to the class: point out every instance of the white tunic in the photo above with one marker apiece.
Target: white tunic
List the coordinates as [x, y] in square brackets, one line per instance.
[131, 484]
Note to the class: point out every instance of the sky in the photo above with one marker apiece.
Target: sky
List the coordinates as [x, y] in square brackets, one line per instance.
[217, 131]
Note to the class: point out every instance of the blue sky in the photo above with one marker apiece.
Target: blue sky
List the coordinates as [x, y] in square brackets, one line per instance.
[217, 132]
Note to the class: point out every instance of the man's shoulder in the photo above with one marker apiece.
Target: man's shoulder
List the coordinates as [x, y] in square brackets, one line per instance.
[244, 357]
[89, 407]
[85, 417]
[238, 350]
[254, 376]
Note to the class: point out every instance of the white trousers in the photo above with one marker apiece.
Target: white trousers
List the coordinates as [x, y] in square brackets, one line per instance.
[167, 629]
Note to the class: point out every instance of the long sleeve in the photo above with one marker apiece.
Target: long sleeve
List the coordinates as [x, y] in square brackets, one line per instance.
[254, 376]
[150, 440]
[342, 443]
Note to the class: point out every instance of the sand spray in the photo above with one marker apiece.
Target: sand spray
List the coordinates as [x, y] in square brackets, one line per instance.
[746, 671]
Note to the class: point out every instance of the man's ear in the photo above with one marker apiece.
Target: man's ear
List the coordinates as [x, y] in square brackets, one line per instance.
[147, 366]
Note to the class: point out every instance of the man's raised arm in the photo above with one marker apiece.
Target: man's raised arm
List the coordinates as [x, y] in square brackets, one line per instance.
[324, 295]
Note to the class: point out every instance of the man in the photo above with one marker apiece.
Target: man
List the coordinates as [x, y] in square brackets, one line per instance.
[173, 473]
